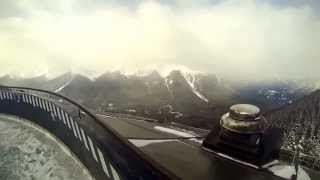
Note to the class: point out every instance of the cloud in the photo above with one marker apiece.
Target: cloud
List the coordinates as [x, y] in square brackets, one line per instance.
[230, 38]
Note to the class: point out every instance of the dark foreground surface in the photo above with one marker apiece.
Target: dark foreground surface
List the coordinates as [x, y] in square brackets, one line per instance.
[180, 151]
[122, 148]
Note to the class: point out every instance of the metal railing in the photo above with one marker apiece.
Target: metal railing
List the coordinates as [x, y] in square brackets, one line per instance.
[312, 162]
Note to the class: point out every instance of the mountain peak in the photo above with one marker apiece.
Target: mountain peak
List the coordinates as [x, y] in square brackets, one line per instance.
[153, 76]
[175, 74]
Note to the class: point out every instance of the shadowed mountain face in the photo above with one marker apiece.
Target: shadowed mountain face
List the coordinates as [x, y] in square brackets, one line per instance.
[193, 98]
[183, 93]
[146, 95]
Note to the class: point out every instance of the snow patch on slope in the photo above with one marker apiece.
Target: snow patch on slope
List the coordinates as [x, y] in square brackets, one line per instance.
[188, 74]
[64, 85]
[168, 83]
[190, 77]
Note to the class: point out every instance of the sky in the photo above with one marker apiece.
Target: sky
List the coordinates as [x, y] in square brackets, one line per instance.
[234, 38]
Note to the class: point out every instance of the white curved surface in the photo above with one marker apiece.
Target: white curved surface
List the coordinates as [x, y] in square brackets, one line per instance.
[28, 152]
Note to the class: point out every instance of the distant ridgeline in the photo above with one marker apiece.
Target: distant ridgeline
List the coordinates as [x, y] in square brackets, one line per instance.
[104, 153]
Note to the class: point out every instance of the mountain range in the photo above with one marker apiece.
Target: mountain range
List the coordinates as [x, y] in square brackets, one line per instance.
[200, 99]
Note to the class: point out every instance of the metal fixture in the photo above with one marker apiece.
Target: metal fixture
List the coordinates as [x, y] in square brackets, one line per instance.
[243, 134]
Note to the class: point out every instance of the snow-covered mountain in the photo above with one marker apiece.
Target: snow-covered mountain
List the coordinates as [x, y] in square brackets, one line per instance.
[40, 82]
[199, 96]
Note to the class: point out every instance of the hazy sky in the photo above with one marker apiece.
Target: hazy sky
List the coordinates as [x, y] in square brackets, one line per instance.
[229, 37]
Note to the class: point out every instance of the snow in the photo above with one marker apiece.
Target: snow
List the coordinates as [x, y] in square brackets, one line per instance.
[286, 171]
[173, 131]
[63, 86]
[178, 133]
[188, 74]
[142, 142]
[231, 158]
[168, 87]
[282, 170]
[200, 95]
[236, 160]
[31, 153]
[191, 79]
[131, 111]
